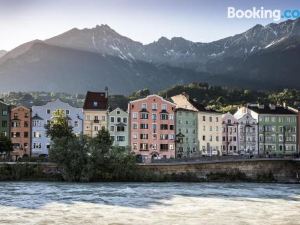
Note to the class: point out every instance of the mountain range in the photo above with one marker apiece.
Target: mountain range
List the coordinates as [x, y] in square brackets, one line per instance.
[263, 57]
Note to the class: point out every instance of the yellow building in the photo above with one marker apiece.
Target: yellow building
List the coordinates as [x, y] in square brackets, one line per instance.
[95, 112]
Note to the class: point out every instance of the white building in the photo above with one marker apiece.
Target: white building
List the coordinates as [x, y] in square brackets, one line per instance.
[41, 115]
[247, 132]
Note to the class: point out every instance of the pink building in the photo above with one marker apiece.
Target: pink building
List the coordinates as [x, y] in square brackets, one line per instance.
[229, 135]
[152, 127]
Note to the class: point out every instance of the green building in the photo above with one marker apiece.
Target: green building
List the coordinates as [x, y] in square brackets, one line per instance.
[187, 145]
[277, 129]
[4, 118]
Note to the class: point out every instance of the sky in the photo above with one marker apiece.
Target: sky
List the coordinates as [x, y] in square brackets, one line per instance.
[141, 20]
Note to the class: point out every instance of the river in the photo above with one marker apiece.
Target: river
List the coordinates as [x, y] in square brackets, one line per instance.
[149, 203]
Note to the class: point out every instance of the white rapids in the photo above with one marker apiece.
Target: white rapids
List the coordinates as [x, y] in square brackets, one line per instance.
[149, 203]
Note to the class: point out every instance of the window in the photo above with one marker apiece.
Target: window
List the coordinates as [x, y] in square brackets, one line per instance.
[171, 127]
[134, 136]
[144, 126]
[134, 115]
[37, 134]
[171, 137]
[164, 126]
[118, 112]
[154, 106]
[144, 116]
[119, 119]
[164, 147]
[25, 134]
[134, 146]
[154, 128]
[203, 118]
[164, 116]
[120, 138]
[144, 105]
[164, 106]
[96, 128]
[26, 115]
[217, 119]
[112, 128]
[95, 104]
[25, 123]
[103, 118]
[38, 145]
[171, 117]
[112, 119]
[4, 123]
[171, 146]
[67, 112]
[203, 137]
[154, 116]
[210, 119]
[48, 111]
[144, 146]
[124, 120]
[135, 126]
[143, 136]
[164, 137]
[76, 123]
[4, 112]
[120, 128]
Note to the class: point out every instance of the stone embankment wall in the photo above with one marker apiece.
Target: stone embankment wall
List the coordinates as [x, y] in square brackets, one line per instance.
[260, 170]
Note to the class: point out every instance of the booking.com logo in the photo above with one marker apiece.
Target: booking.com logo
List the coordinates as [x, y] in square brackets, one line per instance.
[262, 13]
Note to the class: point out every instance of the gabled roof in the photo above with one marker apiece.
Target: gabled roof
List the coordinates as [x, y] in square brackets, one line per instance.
[267, 109]
[37, 117]
[95, 101]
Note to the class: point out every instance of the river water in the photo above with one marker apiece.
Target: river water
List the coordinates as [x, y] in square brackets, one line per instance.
[149, 203]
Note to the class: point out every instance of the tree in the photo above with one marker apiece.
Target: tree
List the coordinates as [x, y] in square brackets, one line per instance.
[99, 148]
[59, 125]
[71, 153]
[5, 145]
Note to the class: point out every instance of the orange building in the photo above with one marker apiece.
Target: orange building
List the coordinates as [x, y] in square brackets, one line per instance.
[20, 128]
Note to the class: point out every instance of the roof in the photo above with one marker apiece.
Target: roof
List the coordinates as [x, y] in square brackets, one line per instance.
[184, 109]
[201, 107]
[36, 117]
[268, 109]
[95, 101]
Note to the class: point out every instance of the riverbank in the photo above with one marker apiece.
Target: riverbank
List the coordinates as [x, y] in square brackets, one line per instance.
[260, 170]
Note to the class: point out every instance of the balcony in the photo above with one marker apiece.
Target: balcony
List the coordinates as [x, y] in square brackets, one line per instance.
[96, 121]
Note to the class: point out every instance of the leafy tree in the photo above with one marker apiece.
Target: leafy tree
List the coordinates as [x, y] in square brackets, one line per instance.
[5, 145]
[59, 125]
[71, 153]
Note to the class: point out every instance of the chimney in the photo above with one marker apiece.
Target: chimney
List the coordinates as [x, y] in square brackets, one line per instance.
[106, 92]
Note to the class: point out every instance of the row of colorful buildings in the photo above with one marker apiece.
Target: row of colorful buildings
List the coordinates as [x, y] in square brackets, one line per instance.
[153, 127]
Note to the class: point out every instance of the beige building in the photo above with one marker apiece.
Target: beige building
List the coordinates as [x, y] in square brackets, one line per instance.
[95, 113]
[209, 125]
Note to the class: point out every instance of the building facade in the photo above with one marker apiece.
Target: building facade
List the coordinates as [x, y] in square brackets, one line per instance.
[95, 112]
[187, 145]
[152, 127]
[277, 127]
[229, 134]
[247, 132]
[118, 127]
[42, 115]
[209, 124]
[20, 128]
[4, 119]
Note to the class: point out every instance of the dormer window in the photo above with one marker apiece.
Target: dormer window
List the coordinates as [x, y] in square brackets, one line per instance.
[95, 104]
